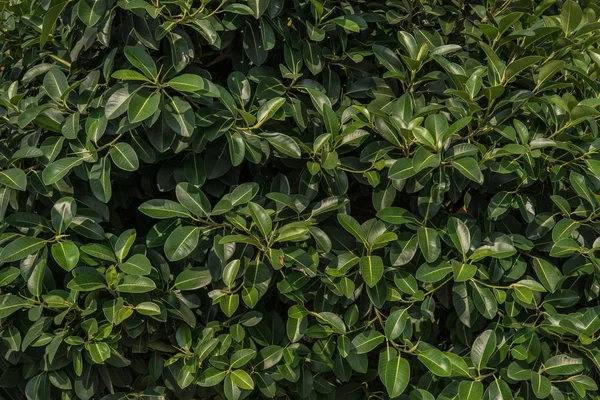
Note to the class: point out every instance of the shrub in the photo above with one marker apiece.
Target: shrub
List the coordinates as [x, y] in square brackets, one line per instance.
[299, 199]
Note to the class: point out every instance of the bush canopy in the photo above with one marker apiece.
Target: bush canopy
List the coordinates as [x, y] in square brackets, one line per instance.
[307, 199]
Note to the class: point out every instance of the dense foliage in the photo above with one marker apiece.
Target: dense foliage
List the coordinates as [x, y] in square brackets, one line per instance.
[299, 199]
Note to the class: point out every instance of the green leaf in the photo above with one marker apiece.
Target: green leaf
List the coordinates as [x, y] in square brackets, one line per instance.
[55, 84]
[210, 377]
[312, 54]
[181, 242]
[141, 60]
[148, 308]
[161, 209]
[499, 205]
[267, 110]
[91, 11]
[229, 304]
[192, 198]
[9, 304]
[98, 351]
[547, 273]
[241, 357]
[253, 44]
[129, 75]
[459, 234]
[469, 168]
[188, 83]
[137, 264]
[124, 157]
[8, 275]
[49, 22]
[142, 105]
[21, 248]
[582, 187]
[429, 243]
[59, 169]
[371, 269]
[13, 178]
[387, 58]
[563, 364]
[432, 273]
[541, 385]
[366, 341]
[402, 169]
[483, 348]
[283, 144]
[100, 180]
[261, 219]
[395, 323]
[62, 214]
[332, 320]
[136, 284]
[86, 283]
[424, 159]
[258, 7]
[515, 67]
[484, 300]
[436, 362]
[397, 376]
[499, 389]
[549, 69]
[570, 16]
[470, 390]
[117, 103]
[192, 279]
[352, 226]
[180, 116]
[241, 379]
[66, 254]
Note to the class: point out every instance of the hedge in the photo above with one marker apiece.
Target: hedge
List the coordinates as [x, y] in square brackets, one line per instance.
[307, 199]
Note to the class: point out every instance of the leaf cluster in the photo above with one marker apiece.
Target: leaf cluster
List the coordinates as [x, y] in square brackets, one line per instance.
[292, 199]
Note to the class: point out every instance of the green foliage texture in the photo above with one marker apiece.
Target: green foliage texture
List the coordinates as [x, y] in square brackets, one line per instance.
[299, 199]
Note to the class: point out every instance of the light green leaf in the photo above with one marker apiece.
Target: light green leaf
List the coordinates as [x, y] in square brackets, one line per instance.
[563, 364]
[429, 243]
[570, 16]
[371, 269]
[91, 11]
[261, 219]
[395, 323]
[547, 273]
[188, 83]
[470, 390]
[21, 248]
[66, 254]
[124, 156]
[241, 379]
[10, 304]
[366, 341]
[13, 178]
[469, 167]
[161, 209]
[436, 362]
[142, 105]
[140, 59]
[59, 169]
[267, 110]
[483, 348]
[397, 376]
[515, 67]
[181, 242]
[136, 284]
[137, 264]
[192, 279]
